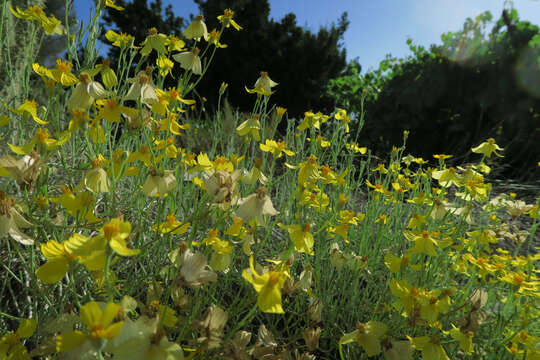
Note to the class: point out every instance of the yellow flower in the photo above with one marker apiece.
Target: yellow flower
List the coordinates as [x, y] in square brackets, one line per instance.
[116, 232]
[143, 155]
[368, 335]
[121, 40]
[408, 295]
[221, 257]
[447, 177]
[301, 237]
[430, 347]
[110, 110]
[434, 302]
[227, 19]
[268, 286]
[312, 119]
[33, 13]
[487, 148]
[213, 38]
[341, 115]
[171, 226]
[59, 256]
[354, 147]
[100, 326]
[165, 65]
[79, 206]
[522, 282]
[425, 243]
[111, 4]
[276, 148]
[10, 343]
[29, 107]
[464, 338]
[396, 264]
[196, 29]
[309, 170]
[175, 44]
[107, 74]
[51, 24]
[62, 74]
[417, 222]
[250, 128]
[43, 140]
[154, 41]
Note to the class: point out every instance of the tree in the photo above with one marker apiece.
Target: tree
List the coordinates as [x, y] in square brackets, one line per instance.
[453, 96]
[299, 60]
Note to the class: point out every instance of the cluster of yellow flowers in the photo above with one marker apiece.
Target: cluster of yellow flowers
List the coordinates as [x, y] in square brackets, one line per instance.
[244, 207]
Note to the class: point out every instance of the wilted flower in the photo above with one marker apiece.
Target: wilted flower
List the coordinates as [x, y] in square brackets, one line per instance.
[221, 186]
[85, 93]
[311, 337]
[211, 327]
[96, 179]
[235, 349]
[143, 88]
[24, 170]
[193, 269]
[11, 220]
[190, 61]
[196, 29]
[255, 206]
[266, 346]
[265, 82]
[159, 184]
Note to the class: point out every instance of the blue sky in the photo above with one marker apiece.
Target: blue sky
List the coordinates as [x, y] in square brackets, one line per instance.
[378, 27]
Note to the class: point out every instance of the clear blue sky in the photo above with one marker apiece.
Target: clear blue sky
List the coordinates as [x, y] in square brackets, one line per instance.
[378, 27]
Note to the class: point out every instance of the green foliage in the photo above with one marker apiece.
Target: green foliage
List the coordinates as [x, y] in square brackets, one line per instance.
[22, 41]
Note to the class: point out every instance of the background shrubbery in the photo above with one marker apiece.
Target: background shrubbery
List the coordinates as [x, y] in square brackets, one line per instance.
[476, 84]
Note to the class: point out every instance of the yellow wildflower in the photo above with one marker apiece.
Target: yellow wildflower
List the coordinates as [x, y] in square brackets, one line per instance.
[196, 29]
[100, 326]
[268, 286]
[227, 19]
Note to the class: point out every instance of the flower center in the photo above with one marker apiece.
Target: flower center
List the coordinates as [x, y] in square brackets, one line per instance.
[110, 230]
